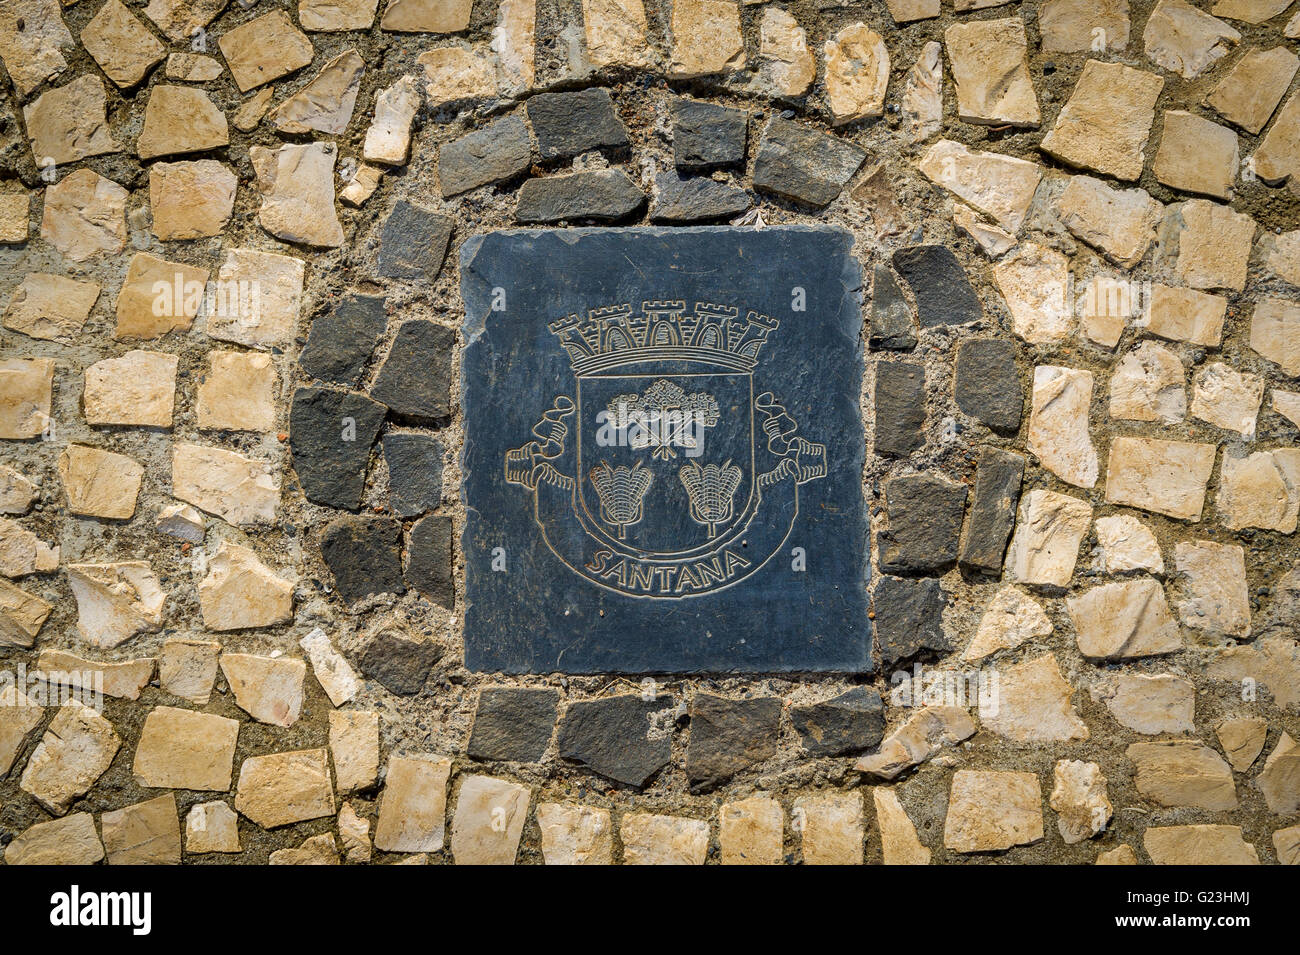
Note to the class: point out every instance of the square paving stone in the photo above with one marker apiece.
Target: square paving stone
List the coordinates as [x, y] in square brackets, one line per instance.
[849, 723]
[414, 472]
[513, 724]
[624, 738]
[925, 515]
[728, 736]
[663, 453]
[706, 136]
[340, 342]
[567, 124]
[413, 242]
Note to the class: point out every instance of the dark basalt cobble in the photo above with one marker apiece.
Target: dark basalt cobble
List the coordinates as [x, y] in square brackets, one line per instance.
[803, 164]
[331, 433]
[342, 340]
[696, 199]
[986, 383]
[413, 242]
[925, 515]
[899, 401]
[603, 195]
[615, 738]
[365, 556]
[998, 477]
[495, 153]
[939, 285]
[569, 124]
[728, 736]
[849, 723]
[414, 472]
[513, 724]
[400, 664]
[429, 560]
[415, 377]
[909, 618]
[892, 326]
[707, 136]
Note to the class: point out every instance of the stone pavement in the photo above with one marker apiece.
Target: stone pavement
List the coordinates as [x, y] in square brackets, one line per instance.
[962, 343]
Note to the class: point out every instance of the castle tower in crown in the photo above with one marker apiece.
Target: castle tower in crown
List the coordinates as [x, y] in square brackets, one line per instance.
[615, 336]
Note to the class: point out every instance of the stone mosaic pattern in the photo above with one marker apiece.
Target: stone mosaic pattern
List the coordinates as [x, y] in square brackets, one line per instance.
[225, 510]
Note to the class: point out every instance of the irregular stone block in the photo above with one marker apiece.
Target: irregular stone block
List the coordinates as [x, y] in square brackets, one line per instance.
[1124, 621]
[830, 828]
[986, 383]
[939, 284]
[365, 556]
[802, 164]
[401, 665]
[575, 835]
[413, 807]
[616, 737]
[341, 341]
[430, 560]
[331, 433]
[998, 476]
[415, 378]
[513, 724]
[602, 195]
[989, 810]
[72, 840]
[892, 324]
[284, 788]
[695, 200]
[269, 689]
[569, 124]
[147, 833]
[925, 514]
[181, 749]
[1168, 477]
[77, 748]
[845, 724]
[1048, 533]
[663, 840]
[899, 401]
[908, 618]
[495, 153]
[1183, 773]
[489, 819]
[729, 736]
[1198, 845]
[413, 242]
[706, 136]
[751, 831]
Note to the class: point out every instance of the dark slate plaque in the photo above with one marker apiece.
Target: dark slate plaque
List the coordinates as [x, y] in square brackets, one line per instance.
[663, 451]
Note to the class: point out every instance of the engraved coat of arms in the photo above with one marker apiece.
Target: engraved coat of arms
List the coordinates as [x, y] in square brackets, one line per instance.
[667, 472]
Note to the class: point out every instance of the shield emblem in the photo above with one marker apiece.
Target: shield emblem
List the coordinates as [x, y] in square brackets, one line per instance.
[665, 455]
